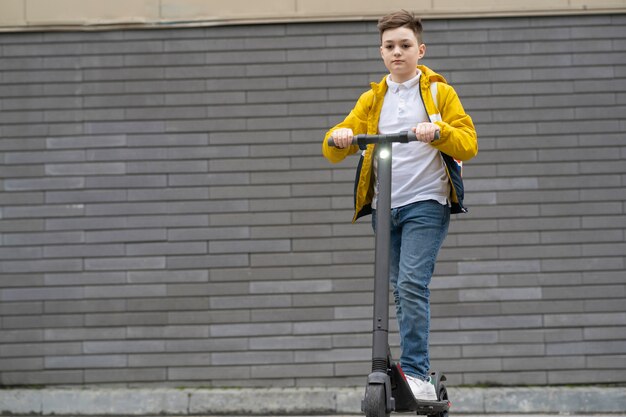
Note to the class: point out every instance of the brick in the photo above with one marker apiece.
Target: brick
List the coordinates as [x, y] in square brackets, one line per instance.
[86, 361]
[43, 377]
[40, 349]
[21, 308]
[601, 292]
[208, 233]
[313, 258]
[130, 375]
[90, 196]
[547, 306]
[569, 320]
[249, 246]
[82, 334]
[46, 321]
[125, 181]
[125, 319]
[290, 287]
[578, 376]
[52, 265]
[129, 346]
[498, 267]
[502, 322]
[113, 168]
[21, 336]
[211, 288]
[204, 373]
[206, 345]
[138, 249]
[587, 347]
[168, 221]
[125, 235]
[290, 342]
[256, 329]
[17, 171]
[66, 210]
[189, 139]
[206, 261]
[123, 291]
[20, 253]
[167, 332]
[603, 333]
[316, 370]
[583, 264]
[44, 184]
[251, 301]
[69, 251]
[167, 276]
[154, 262]
[210, 179]
[84, 306]
[125, 208]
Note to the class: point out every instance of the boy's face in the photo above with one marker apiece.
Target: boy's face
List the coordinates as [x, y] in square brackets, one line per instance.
[401, 52]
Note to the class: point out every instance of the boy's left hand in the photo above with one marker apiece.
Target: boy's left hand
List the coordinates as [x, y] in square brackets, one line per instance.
[425, 132]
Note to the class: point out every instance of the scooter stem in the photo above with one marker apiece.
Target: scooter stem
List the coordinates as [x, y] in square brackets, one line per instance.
[380, 342]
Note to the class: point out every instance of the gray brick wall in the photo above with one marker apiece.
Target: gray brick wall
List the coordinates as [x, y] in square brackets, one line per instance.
[167, 217]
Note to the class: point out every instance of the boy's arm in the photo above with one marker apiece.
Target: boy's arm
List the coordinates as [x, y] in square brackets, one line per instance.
[458, 136]
[357, 121]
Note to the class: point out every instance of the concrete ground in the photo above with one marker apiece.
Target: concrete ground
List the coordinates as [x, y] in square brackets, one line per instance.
[536, 401]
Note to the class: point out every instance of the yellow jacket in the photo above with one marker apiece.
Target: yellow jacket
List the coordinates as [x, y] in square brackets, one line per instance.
[458, 140]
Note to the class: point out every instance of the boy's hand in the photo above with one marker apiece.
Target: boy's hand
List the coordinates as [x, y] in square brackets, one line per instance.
[425, 132]
[342, 137]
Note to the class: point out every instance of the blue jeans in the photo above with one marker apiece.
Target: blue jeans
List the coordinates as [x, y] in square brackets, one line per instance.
[417, 233]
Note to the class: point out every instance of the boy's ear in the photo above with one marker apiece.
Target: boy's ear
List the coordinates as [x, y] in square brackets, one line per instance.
[422, 50]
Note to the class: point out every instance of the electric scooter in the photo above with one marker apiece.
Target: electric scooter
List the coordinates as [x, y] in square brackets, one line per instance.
[387, 389]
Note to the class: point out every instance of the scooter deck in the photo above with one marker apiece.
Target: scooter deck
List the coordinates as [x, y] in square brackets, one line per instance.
[405, 402]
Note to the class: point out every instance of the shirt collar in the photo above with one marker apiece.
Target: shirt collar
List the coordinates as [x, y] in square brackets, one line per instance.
[395, 87]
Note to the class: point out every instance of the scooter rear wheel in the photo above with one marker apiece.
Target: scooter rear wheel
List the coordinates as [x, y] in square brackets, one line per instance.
[374, 401]
[442, 395]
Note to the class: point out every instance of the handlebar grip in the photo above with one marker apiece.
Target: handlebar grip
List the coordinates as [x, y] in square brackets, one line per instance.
[409, 137]
[331, 142]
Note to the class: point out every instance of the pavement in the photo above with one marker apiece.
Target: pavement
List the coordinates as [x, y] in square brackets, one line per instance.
[527, 401]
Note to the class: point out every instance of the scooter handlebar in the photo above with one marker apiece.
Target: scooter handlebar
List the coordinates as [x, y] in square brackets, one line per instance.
[364, 140]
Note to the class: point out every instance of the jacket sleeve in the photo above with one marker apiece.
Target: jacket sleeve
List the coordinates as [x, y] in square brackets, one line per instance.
[357, 121]
[458, 135]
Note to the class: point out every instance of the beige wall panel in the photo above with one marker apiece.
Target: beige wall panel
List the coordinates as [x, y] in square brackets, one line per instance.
[495, 6]
[360, 8]
[597, 4]
[47, 12]
[88, 14]
[214, 9]
[12, 12]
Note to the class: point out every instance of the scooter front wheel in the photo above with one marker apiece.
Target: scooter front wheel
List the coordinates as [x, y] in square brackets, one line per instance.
[374, 401]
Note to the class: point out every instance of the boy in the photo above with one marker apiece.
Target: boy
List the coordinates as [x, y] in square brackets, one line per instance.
[426, 180]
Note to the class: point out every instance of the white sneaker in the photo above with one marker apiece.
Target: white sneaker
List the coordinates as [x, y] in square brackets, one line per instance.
[422, 390]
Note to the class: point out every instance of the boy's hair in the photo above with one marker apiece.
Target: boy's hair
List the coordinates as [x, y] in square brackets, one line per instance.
[400, 19]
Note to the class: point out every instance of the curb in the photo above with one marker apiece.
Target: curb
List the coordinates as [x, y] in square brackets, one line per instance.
[295, 401]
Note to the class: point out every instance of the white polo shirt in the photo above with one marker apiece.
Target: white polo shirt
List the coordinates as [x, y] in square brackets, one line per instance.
[418, 172]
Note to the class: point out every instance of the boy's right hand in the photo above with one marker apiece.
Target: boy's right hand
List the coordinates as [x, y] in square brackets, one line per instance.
[342, 137]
